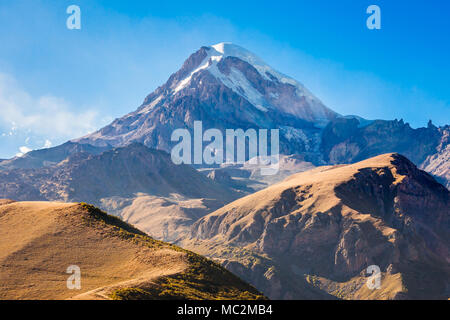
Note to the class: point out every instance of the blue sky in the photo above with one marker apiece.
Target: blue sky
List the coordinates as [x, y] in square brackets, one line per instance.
[57, 84]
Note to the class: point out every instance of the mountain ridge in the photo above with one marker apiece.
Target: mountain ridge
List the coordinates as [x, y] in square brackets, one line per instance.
[211, 99]
[316, 232]
[134, 182]
[227, 87]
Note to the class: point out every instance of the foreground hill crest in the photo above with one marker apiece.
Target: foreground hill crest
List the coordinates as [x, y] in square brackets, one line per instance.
[41, 239]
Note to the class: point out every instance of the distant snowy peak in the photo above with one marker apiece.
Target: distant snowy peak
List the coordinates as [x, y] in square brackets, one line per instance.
[232, 50]
[251, 78]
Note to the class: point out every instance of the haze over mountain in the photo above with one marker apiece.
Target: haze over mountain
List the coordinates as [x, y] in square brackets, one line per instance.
[314, 234]
[50, 156]
[40, 240]
[169, 197]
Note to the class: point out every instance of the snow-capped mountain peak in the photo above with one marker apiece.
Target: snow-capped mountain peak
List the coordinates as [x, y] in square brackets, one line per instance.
[254, 80]
[225, 86]
[227, 49]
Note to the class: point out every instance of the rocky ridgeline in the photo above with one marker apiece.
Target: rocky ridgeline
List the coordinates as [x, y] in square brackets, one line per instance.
[332, 223]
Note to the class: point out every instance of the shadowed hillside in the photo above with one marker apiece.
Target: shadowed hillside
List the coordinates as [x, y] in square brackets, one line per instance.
[141, 185]
[314, 234]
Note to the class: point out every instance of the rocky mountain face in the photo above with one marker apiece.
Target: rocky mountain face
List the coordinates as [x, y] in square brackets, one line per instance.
[344, 140]
[247, 178]
[227, 87]
[119, 172]
[439, 163]
[121, 180]
[315, 234]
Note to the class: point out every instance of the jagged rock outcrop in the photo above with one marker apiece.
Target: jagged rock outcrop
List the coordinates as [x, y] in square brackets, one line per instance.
[220, 176]
[345, 140]
[438, 164]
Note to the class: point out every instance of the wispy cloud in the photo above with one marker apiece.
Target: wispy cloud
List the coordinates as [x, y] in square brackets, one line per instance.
[42, 118]
[23, 150]
[45, 115]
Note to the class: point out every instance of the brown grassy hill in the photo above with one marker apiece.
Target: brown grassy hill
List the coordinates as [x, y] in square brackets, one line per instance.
[314, 234]
[40, 240]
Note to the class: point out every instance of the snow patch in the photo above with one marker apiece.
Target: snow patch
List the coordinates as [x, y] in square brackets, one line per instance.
[151, 105]
[237, 82]
[274, 95]
[227, 49]
[183, 83]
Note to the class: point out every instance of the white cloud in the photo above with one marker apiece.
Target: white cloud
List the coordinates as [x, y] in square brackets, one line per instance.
[23, 150]
[47, 116]
[47, 144]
